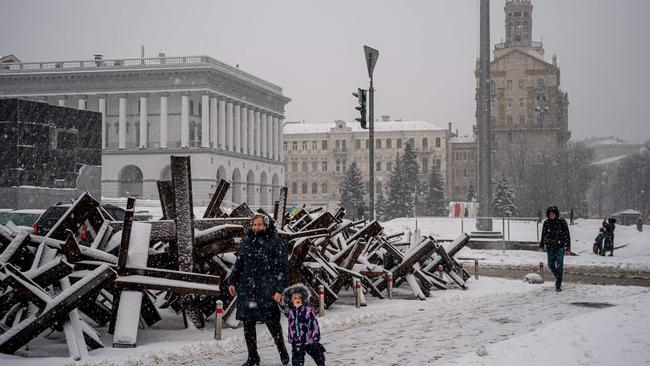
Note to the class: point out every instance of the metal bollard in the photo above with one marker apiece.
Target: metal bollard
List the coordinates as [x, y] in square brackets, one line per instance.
[218, 320]
[440, 270]
[321, 300]
[541, 268]
[389, 280]
[476, 268]
[357, 293]
[460, 269]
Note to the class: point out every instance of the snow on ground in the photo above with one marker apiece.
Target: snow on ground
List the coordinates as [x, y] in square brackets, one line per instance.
[507, 321]
[634, 256]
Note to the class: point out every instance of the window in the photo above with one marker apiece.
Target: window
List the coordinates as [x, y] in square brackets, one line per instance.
[465, 155]
[304, 145]
[344, 165]
[399, 143]
[493, 122]
[337, 145]
[509, 84]
[324, 144]
[191, 106]
[509, 104]
[367, 144]
[341, 145]
[304, 188]
[521, 102]
[294, 188]
[438, 162]
[389, 143]
[493, 87]
[521, 83]
[314, 188]
[425, 165]
[378, 143]
[285, 145]
[473, 156]
[509, 120]
[522, 120]
[314, 145]
[464, 172]
[323, 188]
[200, 110]
[314, 166]
[378, 166]
[509, 136]
[425, 142]
[294, 166]
[338, 165]
[324, 166]
[389, 167]
[357, 144]
[412, 142]
[493, 104]
[294, 145]
[438, 141]
[304, 166]
[344, 144]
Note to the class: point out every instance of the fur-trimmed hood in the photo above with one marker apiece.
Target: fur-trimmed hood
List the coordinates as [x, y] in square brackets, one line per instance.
[297, 288]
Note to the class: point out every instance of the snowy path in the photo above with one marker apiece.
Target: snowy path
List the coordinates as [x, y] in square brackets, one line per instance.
[470, 323]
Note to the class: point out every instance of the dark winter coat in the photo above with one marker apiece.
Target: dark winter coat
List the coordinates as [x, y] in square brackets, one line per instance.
[609, 225]
[303, 326]
[555, 232]
[261, 270]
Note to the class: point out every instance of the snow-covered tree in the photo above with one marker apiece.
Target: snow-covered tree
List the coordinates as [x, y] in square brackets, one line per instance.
[352, 192]
[398, 203]
[436, 204]
[380, 206]
[504, 200]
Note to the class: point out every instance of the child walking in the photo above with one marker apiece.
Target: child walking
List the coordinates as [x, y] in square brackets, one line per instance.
[304, 333]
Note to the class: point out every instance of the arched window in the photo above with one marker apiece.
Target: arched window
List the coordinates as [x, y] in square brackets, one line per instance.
[323, 188]
[314, 188]
[304, 188]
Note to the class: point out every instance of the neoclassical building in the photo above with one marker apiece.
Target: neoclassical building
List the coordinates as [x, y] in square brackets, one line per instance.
[319, 154]
[228, 121]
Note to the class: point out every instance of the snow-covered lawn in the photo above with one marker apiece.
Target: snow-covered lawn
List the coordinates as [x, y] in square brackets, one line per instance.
[506, 321]
[634, 256]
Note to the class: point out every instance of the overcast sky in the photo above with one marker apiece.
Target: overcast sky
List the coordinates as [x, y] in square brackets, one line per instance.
[313, 49]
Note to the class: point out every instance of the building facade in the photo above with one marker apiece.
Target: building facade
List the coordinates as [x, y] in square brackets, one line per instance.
[529, 111]
[462, 168]
[228, 121]
[318, 155]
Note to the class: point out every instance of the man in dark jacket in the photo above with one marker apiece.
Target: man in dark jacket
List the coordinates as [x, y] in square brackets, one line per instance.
[609, 225]
[258, 279]
[557, 240]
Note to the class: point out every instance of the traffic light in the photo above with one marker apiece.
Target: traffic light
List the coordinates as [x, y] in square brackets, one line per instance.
[361, 96]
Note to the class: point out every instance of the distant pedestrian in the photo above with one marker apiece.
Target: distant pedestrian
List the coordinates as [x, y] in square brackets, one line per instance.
[598, 242]
[304, 332]
[539, 215]
[610, 225]
[557, 241]
[639, 224]
[571, 217]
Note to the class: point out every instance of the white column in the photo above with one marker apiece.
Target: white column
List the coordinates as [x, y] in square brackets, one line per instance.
[281, 137]
[214, 108]
[185, 120]
[251, 131]
[264, 136]
[222, 123]
[61, 101]
[269, 136]
[229, 126]
[258, 128]
[122, 123]
[163, 120]
[236, 127]
[205, 120]
[244, 129]
[276, 139]
[83, 101]
[102, 109]
[143, 123]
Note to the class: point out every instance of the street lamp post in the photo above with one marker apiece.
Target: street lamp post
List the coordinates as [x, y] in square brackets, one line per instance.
[371, 59]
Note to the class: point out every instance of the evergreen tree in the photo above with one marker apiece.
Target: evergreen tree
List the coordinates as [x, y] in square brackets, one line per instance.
[380, 206]
[396, 203]
[410, 169]
[471, 193]
[436, 204]
[504, 200]
[352, 194]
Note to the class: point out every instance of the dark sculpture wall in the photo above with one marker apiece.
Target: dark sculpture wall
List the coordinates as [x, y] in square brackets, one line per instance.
[45, 145]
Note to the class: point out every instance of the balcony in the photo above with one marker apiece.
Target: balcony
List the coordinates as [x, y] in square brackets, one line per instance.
[500, 46]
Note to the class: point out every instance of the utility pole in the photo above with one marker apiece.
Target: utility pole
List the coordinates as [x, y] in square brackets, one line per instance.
[484, 222]
[371, 59]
